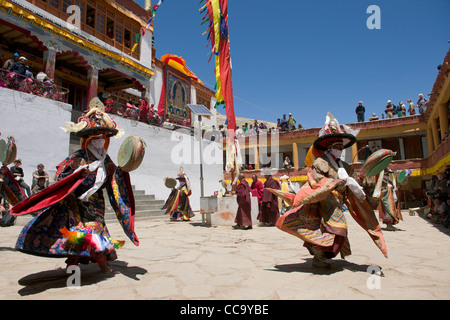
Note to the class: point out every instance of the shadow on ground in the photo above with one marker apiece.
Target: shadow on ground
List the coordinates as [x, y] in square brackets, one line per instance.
[335, 266]
[90, 274]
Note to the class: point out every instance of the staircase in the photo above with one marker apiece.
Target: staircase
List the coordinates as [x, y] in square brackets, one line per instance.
[146, 208]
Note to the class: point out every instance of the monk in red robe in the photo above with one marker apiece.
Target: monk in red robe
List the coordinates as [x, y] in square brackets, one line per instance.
[269, 212]
[243, 218]
[257, 189]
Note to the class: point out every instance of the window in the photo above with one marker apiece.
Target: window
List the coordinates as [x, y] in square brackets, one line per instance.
[54, 3]
[90, 16]
[119, 34]
[100, 23]
[110, 28]
[127, 36]
[65, 5]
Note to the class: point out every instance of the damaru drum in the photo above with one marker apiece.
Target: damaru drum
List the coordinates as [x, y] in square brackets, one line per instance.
[377, 162]
[8, 150]
[131, 153]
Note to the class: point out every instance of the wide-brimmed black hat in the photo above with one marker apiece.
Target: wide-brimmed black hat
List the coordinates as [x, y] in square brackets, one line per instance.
[107, 132]
[324, 142]
[332, 133]
[94, 122]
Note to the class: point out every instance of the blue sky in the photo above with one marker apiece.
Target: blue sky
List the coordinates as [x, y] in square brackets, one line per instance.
[311, 57]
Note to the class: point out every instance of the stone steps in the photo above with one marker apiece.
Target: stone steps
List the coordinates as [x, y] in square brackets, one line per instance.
[146, 208]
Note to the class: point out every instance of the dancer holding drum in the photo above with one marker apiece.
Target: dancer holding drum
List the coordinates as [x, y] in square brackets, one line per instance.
[70, 213]
[177, 204]
[318, 216]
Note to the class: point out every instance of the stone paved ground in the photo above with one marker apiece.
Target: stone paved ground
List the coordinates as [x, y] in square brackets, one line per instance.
[185, 260]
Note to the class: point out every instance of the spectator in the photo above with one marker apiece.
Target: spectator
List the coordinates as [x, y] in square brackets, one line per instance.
[17, 172]
[131, 111]
[223, 130]
[389, 110]
[411, 108]
[440, 210]
[422, 104]
[19, 67]
[8, 63]
[278, 124]
[291, 122]
[401, 110]
[38, 174]
[144, 109]
[28, 73]
[373, 117]
[250, 131]
[287, 163]
[256, 125]
[42, 76]
[239, 132]
[245, 128]
[40, 185]
[283, 124]
[360, 111]
[110, 33]
[300, 127]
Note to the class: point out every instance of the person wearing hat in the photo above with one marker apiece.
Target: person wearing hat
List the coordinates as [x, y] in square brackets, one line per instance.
[291, 122]
[422, 104]
[269, 211]
[8, 63]
[389, 110]
[19, 67]
[388, 209]
[360, 111]
[70, 218]
[317, 216]
[177, 205]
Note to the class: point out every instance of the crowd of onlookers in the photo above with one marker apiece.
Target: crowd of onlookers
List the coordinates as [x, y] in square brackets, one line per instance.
[40, 181]
[391, 110]
[283, 124]
[16, 75]
[438, 198]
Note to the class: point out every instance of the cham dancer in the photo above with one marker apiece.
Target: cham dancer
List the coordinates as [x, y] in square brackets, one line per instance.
[70, 219]
[317, 216]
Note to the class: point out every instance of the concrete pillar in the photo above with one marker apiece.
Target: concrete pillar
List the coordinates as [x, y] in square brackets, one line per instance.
[436, 139]
[401, 148]
[430, 139]
[256, 155]
[49, 61]
[92, 88]
[295, 155]
[354, 152]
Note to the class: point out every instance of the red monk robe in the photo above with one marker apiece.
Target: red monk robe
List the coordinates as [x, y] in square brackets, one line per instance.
[244, 212]
[257, 190]
[269, 212]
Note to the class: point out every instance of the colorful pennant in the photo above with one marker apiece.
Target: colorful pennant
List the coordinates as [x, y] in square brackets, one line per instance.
[217, 15]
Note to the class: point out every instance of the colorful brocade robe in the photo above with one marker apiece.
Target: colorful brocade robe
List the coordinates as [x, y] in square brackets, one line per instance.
[177, 204]
[318, 214]
[65, 225]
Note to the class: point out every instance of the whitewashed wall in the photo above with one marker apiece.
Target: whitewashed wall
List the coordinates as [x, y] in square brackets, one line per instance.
[35, 124]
